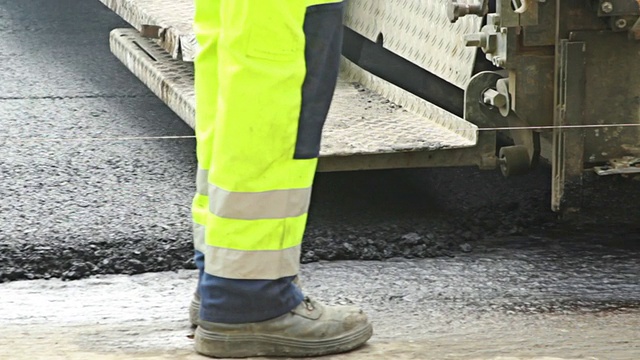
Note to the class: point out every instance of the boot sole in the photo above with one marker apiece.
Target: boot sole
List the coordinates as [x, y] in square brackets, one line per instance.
[222, 345]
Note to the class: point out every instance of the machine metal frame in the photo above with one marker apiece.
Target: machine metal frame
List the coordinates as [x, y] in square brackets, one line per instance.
[572, 79]
[520, 82]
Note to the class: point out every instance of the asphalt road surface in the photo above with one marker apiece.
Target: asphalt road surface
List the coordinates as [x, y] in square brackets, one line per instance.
[519, 298]
[71, 208]
[458, 259]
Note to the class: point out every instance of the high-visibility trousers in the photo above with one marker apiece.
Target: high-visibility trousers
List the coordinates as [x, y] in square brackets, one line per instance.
[265, 74]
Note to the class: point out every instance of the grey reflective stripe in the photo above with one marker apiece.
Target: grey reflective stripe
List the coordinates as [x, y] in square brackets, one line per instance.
[276, 204]
[198, 237]
[202, 182]
[252, 265]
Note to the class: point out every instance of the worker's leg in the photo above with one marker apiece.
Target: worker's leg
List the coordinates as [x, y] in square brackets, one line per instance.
[277, 69]
[207, 29]
[258, 193]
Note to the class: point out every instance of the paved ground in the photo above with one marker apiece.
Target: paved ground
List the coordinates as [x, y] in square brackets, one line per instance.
[520, 298]
[72, 208]
[59, 80]
[490, 272]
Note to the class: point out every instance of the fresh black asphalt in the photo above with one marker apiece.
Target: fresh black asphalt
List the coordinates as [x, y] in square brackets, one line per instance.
[72, 208]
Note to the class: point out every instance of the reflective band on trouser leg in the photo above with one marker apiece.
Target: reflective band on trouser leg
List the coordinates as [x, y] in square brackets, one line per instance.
[199, 209]
[241, 205]
[199, 218]
[252, 264]
[202, 182]
[261, 50]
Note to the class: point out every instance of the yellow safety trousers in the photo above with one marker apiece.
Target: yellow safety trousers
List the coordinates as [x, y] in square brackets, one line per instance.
[252, 198]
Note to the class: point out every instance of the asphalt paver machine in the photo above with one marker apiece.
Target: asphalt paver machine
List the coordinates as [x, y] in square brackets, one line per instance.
[570, 84]
[504, 84]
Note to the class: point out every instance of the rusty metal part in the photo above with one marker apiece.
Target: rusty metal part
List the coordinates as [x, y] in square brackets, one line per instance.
[612, 95]
[531, 88]
[634, 31]
[152, 31]
[526, 138]
[618, 7]
[622, 166]
[476, 112]
[568, 145]
[514, 160]
[525, 5]
[561, 75]
[543, 33]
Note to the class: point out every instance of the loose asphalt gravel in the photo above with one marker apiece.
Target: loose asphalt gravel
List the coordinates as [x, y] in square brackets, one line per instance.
[74, 208]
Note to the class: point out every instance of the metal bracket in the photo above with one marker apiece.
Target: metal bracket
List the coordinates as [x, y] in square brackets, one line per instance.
[568, 145]
[477, 112]
[525, 154]
[634, 31]
[622, 166]
[492, 39]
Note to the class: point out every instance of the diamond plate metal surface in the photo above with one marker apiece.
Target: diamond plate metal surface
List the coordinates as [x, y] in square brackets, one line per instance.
[170, 79]
[353, 73]
[360, 121]
[419, 31]
[173, 17]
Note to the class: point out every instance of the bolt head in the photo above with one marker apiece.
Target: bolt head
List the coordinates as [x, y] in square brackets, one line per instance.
[476, 39]
[499, 101]
[606, 7]
[621, 23]
[498, 61]
[453, 11]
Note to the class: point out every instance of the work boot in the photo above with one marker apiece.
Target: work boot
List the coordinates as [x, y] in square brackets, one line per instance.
[194, 307]
[311, 329]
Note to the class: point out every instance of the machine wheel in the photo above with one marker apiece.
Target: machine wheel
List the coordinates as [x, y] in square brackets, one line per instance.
[514, 160]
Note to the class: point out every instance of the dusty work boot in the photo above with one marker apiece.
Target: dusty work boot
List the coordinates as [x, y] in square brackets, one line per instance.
[194, 307]
[311, 329]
